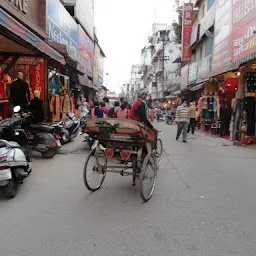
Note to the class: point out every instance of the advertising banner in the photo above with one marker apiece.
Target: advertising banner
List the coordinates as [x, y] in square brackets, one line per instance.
[222, 46]
[244, 25]
[234, 37]
[186, 32]
[85, 56]
[84, 12]
[61, 27]
[37, 78]
[184, 77]
[96, 65]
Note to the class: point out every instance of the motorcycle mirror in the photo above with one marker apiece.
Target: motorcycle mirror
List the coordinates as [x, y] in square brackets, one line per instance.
[16, 109]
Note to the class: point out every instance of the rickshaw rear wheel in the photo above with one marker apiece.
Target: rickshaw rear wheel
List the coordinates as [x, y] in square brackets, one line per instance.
[95, 169]
[148, 177]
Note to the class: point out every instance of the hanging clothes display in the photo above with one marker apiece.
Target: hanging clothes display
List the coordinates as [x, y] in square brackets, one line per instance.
[66, 106]
[55, 108]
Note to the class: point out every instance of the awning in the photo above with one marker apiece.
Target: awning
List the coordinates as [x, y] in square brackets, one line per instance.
[19, 30]
[177, 92]
[197, 87]
[83, 80]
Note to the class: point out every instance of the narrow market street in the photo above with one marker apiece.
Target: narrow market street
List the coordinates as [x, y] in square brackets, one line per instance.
[204, 204]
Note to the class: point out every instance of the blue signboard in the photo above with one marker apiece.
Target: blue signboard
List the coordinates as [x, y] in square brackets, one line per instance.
[61, 27]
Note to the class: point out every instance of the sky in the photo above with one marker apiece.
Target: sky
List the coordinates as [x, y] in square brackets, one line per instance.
[122, 28]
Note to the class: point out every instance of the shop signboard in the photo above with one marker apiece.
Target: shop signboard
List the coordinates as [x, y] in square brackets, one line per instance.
[222, 50]
[62, 28]
[243, 29]
[184, 77]
[96, 65]
[37, 78]
[29, 12]
[84, 12]
[85, 56]
[187, 20]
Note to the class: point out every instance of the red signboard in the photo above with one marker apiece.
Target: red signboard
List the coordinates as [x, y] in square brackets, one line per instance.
[187, 20]
[37, 78]
[234, 37]
[222, 49]
[244, 25]
[85, 56]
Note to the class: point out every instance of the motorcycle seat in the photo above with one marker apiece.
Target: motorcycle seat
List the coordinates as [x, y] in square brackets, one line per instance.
[9, 144]
[42, 128]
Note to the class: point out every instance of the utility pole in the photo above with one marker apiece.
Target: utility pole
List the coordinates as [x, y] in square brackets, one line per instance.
[163, 82]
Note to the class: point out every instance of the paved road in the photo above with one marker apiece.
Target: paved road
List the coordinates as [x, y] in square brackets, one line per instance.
[204, 204]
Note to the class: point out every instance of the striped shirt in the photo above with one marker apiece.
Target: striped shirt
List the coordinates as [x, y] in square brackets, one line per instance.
[182, 114]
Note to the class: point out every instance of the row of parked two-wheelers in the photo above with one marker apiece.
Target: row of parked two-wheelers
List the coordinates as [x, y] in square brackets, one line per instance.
[18, 136]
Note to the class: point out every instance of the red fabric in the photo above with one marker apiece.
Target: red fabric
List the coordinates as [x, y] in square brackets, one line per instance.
[134, 115]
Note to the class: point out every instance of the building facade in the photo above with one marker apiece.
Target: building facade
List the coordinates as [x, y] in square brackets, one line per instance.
[160, 75]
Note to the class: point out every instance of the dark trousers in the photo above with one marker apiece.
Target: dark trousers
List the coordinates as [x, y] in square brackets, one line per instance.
[224, 127]
[192, 125]
[182, 127]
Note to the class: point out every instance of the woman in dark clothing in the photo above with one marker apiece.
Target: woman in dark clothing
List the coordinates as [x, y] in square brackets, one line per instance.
[112, 111]
[96, 111]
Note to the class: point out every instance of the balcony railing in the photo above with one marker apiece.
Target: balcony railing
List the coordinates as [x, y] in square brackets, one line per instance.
[199, 71]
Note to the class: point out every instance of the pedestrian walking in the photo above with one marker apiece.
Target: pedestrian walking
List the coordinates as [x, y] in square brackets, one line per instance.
[192, 118]
[182, 120]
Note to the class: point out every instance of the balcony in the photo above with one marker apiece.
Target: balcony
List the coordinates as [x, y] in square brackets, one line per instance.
[204, 68]
[199, 71]
[208, 20]
[159, 48]
[200, 27]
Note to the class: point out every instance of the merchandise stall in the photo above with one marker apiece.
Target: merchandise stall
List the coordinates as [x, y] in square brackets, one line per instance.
[23, 49]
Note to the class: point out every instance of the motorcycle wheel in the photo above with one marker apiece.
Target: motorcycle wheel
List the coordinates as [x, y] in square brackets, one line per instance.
[10, 190]
[50, 153]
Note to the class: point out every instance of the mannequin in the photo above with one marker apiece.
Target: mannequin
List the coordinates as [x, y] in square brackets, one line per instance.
[66, 106]
[216, 107]
[210, 101]
[20, 94]
[205, 108]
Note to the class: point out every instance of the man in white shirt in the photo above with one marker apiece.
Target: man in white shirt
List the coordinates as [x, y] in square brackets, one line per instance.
[182, 119]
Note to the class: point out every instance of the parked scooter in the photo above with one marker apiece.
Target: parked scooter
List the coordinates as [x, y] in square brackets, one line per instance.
[15, 160]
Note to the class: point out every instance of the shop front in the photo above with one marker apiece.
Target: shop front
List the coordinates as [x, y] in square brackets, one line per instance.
[23, 49]
[69, 84]
[235, 26]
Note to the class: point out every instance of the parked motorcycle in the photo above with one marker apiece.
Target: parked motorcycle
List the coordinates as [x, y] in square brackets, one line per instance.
[41, 137]
[69, 129]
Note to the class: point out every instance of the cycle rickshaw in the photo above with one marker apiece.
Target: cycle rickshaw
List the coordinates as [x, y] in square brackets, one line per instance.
[129, 144]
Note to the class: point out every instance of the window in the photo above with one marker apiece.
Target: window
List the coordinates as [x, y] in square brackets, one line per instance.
[208, 46]
[210, 4]
[202, 11]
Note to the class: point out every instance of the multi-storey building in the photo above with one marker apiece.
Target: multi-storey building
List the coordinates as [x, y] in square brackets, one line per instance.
[195, 73]
[160, 75]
